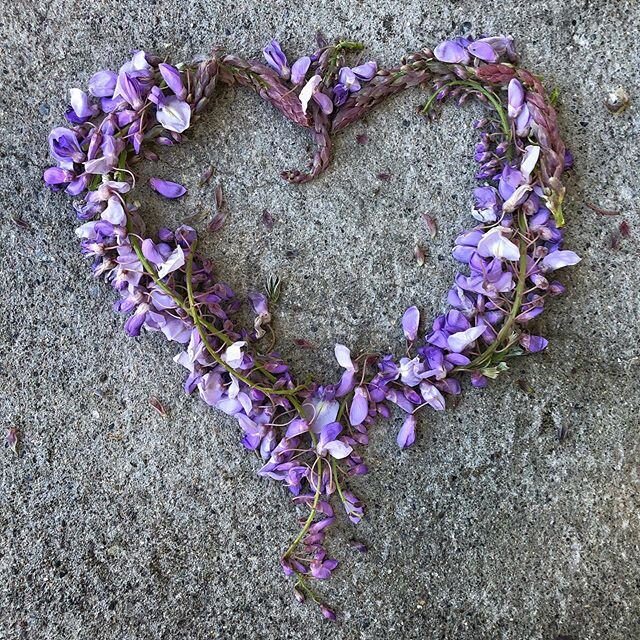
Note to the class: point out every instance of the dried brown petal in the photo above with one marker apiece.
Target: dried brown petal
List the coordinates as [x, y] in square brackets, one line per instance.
[217, 222]
[301, 343]
[219, 197]
[267, 219]
[431, 225]
[625, 229]
[420, 255]
[11, 439]
[158, 406]
[21, 223]
[206, 175]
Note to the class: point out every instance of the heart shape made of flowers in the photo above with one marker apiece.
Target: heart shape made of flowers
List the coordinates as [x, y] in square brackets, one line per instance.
[311, 436]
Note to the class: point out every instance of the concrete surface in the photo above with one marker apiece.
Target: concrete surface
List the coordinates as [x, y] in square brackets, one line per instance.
[117, 523]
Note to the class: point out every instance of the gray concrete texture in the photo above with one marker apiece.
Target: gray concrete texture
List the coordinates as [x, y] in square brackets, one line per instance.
[117, 523]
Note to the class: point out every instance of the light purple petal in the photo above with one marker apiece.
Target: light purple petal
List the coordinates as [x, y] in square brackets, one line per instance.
[432, 396]
[325, 102]
[523, 122]
[103, 83]
[410, 322]
[359, 407]
[343, 356]
[308, 90]
[366, 71]
[299, 69]
[114, 213]
[483, 51]
[559, 259]
[407, 434]
[516, 198]
[150, 252]
[453, 52]
[167, 188]
[80, 104]
[515, 97]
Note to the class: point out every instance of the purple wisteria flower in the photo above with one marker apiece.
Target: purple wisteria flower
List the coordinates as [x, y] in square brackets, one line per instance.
[276, 59]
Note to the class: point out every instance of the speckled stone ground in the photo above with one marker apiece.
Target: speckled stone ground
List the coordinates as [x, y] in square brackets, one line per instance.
[119, 524]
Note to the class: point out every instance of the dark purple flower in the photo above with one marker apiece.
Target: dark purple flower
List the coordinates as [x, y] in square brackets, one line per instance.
[533, 344]
[340, 94]
[352, 506]
[64, 147]
[328, 442]
[348, 79]
[276, 59]
[488, 204]
[167, 188]
[129, 89]
[327, 612]
[321, 568]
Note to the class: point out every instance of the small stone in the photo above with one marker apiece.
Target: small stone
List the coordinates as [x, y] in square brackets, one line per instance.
[617, 101]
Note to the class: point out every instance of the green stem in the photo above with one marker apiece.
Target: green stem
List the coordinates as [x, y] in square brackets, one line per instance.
[471, 84]
[212, 352]
[312, 513]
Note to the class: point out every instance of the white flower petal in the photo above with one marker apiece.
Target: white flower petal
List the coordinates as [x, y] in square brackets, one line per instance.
[494, 244]
[343, 356]
[458, 342]
[308, 91]
[338, 449]
[529, 160]
[172, 263]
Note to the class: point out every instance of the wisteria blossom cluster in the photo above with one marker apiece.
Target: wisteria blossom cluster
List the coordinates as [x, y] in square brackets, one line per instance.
[311, 437]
